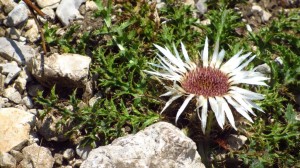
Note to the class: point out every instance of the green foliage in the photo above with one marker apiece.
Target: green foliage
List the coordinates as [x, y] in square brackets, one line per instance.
[274, 143]
[274, 139]
[99, 124]
[68, 40]
[277, 41]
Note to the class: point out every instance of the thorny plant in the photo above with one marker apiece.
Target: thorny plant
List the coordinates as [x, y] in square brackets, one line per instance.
[129, 100]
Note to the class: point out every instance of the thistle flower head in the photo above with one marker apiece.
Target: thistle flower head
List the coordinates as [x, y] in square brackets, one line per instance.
[213, 84]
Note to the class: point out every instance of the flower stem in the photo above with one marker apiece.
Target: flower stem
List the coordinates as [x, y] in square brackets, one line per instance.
[204, 149]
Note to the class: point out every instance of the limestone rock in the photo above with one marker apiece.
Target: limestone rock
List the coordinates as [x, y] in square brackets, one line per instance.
[256, 8]
[265, 16]
[21, 81]
[13, 50]
[69, 154]
[7, 161]
[297, 117]
[263, 68]
[66, 70]
[201, 6]
[279, 61]
[58, 158]
[2, 80]
[8, 5]
[34, 89]
[12, 94]
[161, 145]
[13, 33]
[91, 6]
[83, 151]
[49, 12]
[75, 163]
[3, 101]
[235, 142]
[37, 157]
[15, 125]
[49, 130]
[17, 155]
[68, 11]
[27, 101]
[11, 70]
[32, 33]
[47, 3]
[18, 15]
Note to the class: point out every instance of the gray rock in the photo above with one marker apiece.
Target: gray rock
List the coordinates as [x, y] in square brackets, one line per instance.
[13, 33]
[68, 11]
[17, 155]
[263, 68]
[21, 107]
[27, 101]
[94, 99]
[235, 142]
[256, 8]
[201, 6]
[66, 70]
[265, 16]
[279, 61]
[69, 154]
[49, 130]
[206, 22]
[15, 125]
[35, 111]
[7, 161]
[297, 117]
[8, 5]
[37, 157]
[3, 101]
[47, 3]
[2, 80]
[49, 12]
[21, 81]
[32, 33]
[91, 6]
[18, 15]
[34, 89]
[161, 145]
[58, 158]
[11, 70]
[33, 138]
[12, 94]
[83, 151]
[13, 50]
[76, 162]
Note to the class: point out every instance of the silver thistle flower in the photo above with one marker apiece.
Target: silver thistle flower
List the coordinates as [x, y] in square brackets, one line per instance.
[211, 83]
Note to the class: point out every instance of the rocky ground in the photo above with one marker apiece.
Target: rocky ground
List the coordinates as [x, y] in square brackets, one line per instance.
[28, 142]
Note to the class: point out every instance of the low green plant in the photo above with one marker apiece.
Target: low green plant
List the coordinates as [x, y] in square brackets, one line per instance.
[99, 124]
[70, 42]
[273, 140]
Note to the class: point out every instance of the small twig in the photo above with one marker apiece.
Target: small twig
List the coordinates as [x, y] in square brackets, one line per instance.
[33, 8]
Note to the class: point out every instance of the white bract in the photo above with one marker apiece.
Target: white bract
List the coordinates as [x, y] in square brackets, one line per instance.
[211, 83]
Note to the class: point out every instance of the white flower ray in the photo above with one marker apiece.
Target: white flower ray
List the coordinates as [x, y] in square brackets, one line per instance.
[205, 53]
[183, 106]
[169, 102]
[204, 115]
